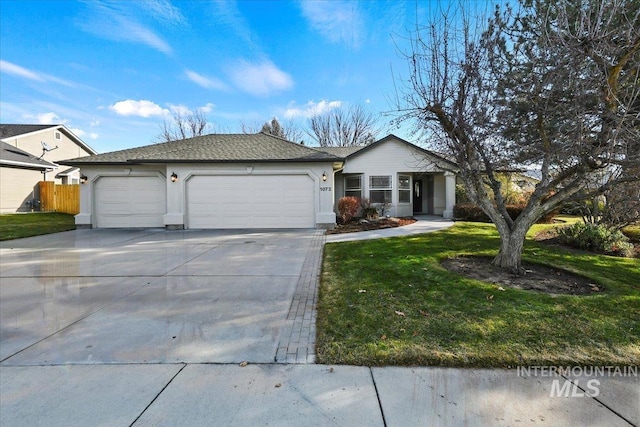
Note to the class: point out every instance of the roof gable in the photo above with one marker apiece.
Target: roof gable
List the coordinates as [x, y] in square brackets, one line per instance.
[392, 137]
[22, 130]
[259, 147]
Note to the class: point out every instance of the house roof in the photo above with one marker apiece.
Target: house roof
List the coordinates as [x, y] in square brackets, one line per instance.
[218, 148]
[18, 130]
[342, 151]
[15, 157]
[8, 131]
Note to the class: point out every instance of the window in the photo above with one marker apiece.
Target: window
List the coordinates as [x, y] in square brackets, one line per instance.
[57, 135]
[353, 186]
[380, 189]
[404, 189]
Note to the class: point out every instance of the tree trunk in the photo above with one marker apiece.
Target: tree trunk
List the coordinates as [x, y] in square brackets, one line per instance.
[511, 245]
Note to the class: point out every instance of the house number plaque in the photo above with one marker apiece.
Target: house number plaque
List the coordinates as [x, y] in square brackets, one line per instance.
[325, 188]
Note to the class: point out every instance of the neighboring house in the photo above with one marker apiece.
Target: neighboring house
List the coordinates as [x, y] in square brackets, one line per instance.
[256, 181]
[19, 171]
[44, 143]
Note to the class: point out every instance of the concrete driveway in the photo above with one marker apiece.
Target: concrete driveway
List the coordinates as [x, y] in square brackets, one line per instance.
[149, 296]
[147, 328]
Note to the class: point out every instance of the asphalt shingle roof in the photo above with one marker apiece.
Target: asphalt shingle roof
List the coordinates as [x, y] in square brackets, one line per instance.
[342, 151]
[10, 155]
[7, 131]
[259, 147]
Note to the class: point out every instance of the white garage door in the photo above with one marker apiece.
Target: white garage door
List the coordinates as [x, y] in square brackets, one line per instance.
[130, 201]
[250, 201]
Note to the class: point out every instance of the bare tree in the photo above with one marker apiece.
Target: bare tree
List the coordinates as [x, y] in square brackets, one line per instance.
[183, 126]
[553, 84]
[343, 128]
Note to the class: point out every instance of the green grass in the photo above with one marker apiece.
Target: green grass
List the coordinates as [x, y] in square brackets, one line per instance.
[15, 226]
[449, 320]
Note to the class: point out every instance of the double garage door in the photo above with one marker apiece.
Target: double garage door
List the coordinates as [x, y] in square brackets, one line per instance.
[224, 201]
[250, 201]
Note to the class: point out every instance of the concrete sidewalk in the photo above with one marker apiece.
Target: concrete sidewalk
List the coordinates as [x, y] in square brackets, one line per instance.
[302, 395]
[424, 224]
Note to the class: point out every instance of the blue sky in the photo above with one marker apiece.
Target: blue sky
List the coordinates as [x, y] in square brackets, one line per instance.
[112, 71]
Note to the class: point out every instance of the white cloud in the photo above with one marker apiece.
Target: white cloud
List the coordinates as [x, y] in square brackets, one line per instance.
[94, 123]
[337, 21]
[135, 32]
[112, 21]
[311, 109]
[163, 10]
[205, 82]
[207, 108]
[260, 79]
[227, 14]
[141, 108]
[180, 110]
[49, 119]
[16, 70]
[80, 133]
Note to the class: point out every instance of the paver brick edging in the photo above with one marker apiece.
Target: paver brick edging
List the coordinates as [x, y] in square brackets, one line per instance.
[298, 338]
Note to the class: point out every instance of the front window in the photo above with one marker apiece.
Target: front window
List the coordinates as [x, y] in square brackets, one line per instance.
[404, 189]
[353, 186]
[380, 189]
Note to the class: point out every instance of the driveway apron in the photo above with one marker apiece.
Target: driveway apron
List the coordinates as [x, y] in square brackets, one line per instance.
[149, 296]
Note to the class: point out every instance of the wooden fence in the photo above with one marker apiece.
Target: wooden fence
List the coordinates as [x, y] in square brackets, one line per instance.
[59, 198]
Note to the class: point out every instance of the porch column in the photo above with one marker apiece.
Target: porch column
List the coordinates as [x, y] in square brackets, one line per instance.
[450, 194]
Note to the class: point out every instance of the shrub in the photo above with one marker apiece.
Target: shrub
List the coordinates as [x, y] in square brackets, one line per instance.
[471, 212]
[597, 238]
[348, 208]
[461, 194]
[370, 211]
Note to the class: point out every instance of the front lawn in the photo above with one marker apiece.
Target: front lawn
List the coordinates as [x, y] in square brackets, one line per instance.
[15, 226]
[390, 302]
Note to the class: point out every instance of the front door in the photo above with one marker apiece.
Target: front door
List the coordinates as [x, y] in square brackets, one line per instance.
[417, 196]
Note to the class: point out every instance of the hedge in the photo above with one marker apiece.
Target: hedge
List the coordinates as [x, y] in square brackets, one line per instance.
[471, 212]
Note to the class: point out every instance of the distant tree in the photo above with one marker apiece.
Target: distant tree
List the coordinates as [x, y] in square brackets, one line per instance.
[273, 128]
[551, 83]
[343, 128]
[183, 126]
[289, 131]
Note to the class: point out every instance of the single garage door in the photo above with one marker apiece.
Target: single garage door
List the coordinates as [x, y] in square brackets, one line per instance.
[130, 201]
[250, 201]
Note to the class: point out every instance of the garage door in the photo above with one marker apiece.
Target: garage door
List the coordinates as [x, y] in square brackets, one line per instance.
[131, 201]
[250, 201]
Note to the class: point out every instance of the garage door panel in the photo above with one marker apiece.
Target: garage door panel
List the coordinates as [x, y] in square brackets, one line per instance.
[250, 201]
[122, 202]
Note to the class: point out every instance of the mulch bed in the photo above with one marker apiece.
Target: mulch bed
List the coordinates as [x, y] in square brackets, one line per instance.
[355, 226]
[536, 278]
